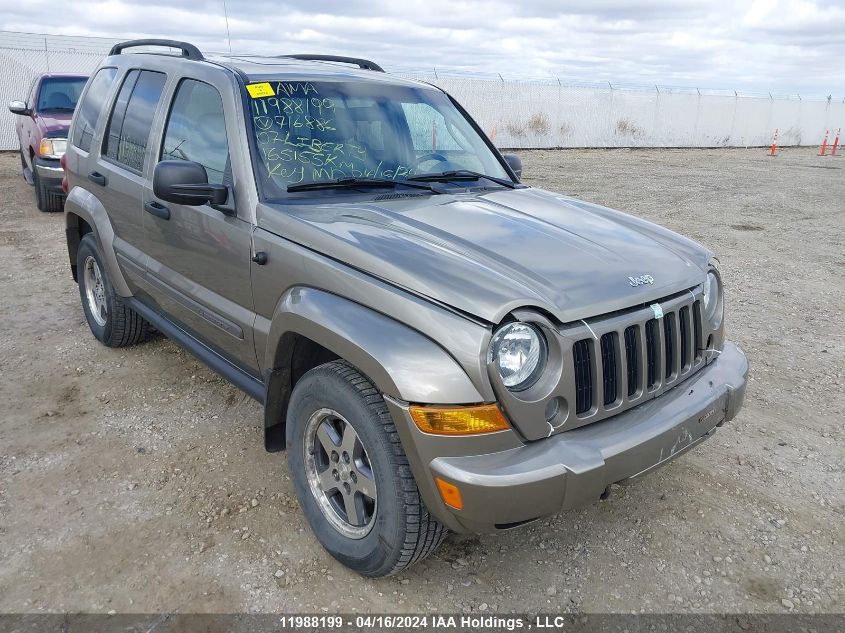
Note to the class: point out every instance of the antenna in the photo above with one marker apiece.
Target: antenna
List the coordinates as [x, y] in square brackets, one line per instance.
[228, 34]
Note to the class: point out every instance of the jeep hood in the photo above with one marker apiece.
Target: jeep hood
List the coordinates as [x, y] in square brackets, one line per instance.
[487, 255]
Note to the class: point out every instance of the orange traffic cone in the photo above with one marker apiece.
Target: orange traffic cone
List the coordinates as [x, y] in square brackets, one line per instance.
[835, 143]
[774, 149]
[824, 143]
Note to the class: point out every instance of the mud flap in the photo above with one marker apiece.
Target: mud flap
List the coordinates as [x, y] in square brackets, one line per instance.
[276, 401]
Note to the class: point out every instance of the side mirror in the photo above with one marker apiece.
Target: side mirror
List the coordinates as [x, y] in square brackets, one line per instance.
[19, 107]
[186, 182]
[515, 163]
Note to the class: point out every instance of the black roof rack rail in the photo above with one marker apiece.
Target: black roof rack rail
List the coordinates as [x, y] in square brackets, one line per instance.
[366, 64]
[189, 51]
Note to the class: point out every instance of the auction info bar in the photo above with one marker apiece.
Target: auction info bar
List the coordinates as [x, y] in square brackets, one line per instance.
[268, 623]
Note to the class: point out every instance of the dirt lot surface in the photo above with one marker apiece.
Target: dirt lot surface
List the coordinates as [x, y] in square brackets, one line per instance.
[135, 480]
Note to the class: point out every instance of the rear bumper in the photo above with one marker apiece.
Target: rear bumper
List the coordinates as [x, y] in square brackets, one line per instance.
[573, 468]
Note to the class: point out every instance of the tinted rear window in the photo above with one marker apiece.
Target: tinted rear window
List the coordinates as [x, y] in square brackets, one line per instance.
[132, 117]
[92, 105]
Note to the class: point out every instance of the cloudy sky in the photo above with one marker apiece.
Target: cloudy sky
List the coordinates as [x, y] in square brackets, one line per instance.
[782, 46]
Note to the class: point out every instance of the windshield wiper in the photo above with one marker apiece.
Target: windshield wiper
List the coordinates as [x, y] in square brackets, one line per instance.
[352, 183]
[462, 174]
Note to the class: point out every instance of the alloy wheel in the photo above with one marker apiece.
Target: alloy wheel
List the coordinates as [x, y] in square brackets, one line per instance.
[340, 473]
[95, 291]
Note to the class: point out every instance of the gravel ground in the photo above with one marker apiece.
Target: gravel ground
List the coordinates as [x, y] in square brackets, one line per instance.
[136, 481]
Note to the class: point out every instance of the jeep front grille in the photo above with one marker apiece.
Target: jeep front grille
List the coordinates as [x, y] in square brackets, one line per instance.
[609, 369]
[683, 335]
[669, 344]
[632, 358]
[655, 354]
[583, 379]
[651, 351]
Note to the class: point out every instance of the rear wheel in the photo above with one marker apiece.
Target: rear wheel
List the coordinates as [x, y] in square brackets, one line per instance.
[352, 476]
[112, 322]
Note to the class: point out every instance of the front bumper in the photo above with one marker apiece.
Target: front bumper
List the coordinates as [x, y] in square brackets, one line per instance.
[50, 173]
[509, 487]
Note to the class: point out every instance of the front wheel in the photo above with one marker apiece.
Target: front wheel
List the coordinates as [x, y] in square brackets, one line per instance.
[351, 474]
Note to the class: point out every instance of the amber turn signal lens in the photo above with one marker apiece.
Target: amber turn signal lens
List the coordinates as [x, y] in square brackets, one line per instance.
[52, 147]
[486, 418]
[46, 147]
[450, 493]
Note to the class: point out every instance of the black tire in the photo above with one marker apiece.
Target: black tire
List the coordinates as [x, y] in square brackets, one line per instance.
[403, 532]
[121, 325]
[46, 200]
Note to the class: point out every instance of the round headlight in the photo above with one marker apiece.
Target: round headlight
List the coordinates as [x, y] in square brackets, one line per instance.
[713, 299]
[519, 353]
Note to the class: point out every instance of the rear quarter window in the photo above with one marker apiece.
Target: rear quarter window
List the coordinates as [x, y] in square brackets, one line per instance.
[91, 107]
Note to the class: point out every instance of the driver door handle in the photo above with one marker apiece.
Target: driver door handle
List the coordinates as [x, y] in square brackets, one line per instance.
[158, 210]
[97, 178]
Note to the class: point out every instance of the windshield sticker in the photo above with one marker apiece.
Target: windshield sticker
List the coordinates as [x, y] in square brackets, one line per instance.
[658, 310]
[256, 91]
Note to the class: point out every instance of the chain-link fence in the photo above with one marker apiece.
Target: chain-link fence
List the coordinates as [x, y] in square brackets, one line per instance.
[24, 56]
[557, 113]
[519, 112]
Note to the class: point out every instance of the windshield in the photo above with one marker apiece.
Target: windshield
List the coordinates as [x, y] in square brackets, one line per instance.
[315, 132]
[60, 94]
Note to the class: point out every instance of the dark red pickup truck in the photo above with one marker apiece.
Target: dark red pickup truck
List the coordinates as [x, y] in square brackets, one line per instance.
[42, 127]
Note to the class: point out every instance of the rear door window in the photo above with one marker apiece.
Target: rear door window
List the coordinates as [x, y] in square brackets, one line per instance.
[91, 107]
[131, 119]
